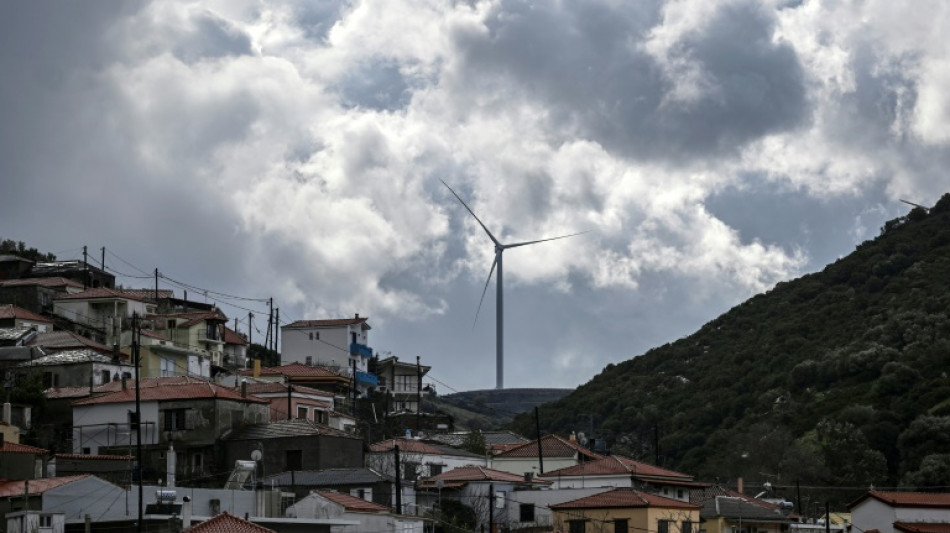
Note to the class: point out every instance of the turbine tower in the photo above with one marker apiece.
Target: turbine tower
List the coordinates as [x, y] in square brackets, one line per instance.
[500, 248]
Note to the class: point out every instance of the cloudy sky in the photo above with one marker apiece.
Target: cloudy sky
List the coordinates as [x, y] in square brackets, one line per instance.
[294, 150]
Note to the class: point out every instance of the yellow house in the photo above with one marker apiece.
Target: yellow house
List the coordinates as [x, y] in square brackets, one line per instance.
[624, 510]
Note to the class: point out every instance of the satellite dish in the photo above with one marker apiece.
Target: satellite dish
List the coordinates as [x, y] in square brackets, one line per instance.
[256, 455]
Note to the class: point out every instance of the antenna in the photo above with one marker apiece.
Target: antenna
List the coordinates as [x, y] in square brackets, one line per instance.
[500, 248]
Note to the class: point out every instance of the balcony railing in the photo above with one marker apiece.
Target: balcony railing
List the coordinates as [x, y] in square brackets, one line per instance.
[361, 349]
[365, 378]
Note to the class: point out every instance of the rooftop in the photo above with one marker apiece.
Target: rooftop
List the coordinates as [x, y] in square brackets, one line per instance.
[286, 428]
[170, 390]
[329, 323]
[551, 446]
[10, 311]
[227, 523]
[352, 503]
[624, 497]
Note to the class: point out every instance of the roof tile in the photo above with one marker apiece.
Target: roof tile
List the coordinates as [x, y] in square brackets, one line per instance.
[352, 503]
[227, 523]
[624, 497]
[551, 446]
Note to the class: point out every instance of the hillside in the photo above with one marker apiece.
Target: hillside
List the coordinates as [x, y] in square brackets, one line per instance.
[493, 408]
[836, 379]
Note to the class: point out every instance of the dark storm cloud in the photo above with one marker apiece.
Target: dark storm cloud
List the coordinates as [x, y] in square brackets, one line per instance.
[209, 37]
[589, 63]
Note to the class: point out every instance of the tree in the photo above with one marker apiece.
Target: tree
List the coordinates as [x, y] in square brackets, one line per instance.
[932, 475]
[475, 442]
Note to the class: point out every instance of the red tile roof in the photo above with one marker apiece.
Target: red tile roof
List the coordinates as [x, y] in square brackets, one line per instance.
[67, 340]
[9, 311]
[170, 391]
[11, 447]
[920, 527]
[55, 281]
[227, 523]
[405, 445]
[145, 383]
[472, 473]
[329, 323]
[273, 387]
[13, 489]
[66, 392]
[296, 370]
[233, 337]
[99, 293]
[908, 499]
[551, 446]
[352, 503]
[617, 464]
[624, 497]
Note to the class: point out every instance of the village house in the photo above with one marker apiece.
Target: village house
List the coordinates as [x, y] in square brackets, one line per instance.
[482, 489]
[370, 516]
[290, 445]
[102, 314]
[556, 453]
[12, 316]
[363, 483]
[188, 413]
[340, 345]
[626, 510]
[909, 512]
[37, 294]
[619, 471]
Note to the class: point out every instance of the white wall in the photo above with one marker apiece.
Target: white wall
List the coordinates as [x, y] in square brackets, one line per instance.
[521, 465]
[91, 425]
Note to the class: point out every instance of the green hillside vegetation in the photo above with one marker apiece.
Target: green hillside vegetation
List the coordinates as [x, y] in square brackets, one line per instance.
[837, 379]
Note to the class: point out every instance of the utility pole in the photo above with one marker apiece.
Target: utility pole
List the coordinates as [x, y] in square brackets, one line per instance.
[103, 262]
[156, 287]
[353, 366]
[136, 339]
[537, 426]
[85, 268]
[290, 392]
[398, 477]
[491, 507]
[276, 327]
[270, 322]
[418, 395]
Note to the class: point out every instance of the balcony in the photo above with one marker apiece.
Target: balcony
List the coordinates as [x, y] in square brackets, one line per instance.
[365, 378]
[361, 349]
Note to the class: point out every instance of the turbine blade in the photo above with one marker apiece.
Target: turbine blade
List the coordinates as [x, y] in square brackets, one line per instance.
[487, 281]
[469, 209]
[517, 244]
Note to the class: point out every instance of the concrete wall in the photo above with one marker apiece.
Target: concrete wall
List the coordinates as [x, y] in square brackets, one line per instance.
[318, 452]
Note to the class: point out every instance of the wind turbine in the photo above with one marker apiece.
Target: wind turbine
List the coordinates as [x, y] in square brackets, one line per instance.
[500, 248]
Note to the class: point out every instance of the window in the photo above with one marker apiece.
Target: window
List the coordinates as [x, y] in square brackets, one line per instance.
[311, 335]
[679, 493]
[687, 527]
[106, 376]
[46, 520]
[319, 417]
[301, 412]
[576, 526]
[620, 525]
[197, 463]
[410, 471]
[662, 526]
[526, 512]
[435, 469]
[211, 331]
[50, 380]
[175, 419]
[294, 459]
[309, 360]
[405, 383]
[87, 451]
[167, 367]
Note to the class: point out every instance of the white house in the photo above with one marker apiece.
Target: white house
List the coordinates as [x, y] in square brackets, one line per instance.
[888, 512]
[370, 516]
[338, 344]
[102, 313]
[619, 471]
[557, 453]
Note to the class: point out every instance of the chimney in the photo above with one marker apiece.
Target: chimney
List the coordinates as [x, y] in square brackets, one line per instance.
[7, 413]
[357, 316]
[739, 485]
[170, 465]
[185, 512]
[244, 388]
[123, 381]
